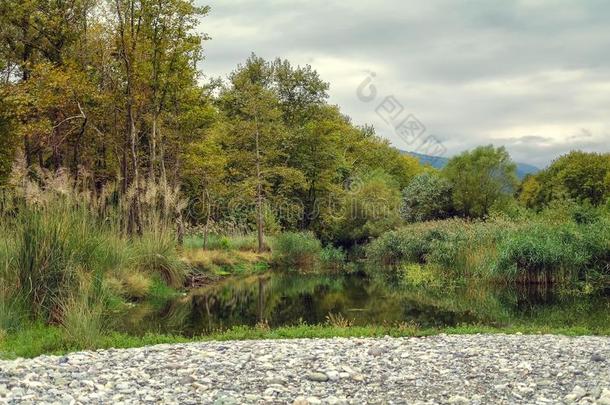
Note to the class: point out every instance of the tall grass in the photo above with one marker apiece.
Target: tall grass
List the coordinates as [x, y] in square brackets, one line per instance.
[65, 255]
[238, 241]
[547, 253]
[296, 250]
[541, 249]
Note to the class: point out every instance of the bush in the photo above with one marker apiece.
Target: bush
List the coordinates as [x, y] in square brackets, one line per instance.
[332, 258]
[296, 250]
[456, 247]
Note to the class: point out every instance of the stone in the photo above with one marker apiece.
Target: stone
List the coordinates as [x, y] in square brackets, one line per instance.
[577, 393]
[604, 398]
[317, 376]
[457, 399]
[300, 401]
[376, 351]
[597, 358]
[333, 375]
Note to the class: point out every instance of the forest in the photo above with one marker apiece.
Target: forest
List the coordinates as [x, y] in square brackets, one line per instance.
[127, 174]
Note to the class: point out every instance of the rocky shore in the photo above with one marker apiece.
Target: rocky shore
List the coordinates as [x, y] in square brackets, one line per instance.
[473, 369]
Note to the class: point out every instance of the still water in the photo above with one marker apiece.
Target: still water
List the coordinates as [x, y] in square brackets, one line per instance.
[279, 299]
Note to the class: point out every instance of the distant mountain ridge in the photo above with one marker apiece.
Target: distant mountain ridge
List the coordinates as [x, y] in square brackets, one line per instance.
[523, 169]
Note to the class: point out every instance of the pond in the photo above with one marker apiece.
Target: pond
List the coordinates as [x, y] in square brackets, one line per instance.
[280, 299]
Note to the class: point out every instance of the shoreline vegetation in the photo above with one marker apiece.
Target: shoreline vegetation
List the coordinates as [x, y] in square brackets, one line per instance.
[49, 340]
[70, 263]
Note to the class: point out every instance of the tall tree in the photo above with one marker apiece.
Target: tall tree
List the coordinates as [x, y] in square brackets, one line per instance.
[481, 178]
[257, 137]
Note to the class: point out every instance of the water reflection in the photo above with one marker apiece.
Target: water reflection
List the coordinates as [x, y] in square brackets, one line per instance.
[290, 299]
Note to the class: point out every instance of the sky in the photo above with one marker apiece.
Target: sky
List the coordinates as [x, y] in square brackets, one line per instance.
[532, 75]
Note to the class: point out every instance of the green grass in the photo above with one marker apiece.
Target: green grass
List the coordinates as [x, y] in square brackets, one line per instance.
[41, 339]
[296, 250]
[236, 255]
[539, 249]
[246, 242]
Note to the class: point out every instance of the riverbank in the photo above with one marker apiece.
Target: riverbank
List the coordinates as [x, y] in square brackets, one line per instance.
[454, 369]
[50, 340]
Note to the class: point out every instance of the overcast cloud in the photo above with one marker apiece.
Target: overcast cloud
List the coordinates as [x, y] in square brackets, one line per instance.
[533, 75]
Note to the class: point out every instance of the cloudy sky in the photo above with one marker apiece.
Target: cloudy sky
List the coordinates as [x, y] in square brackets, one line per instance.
[533, 75]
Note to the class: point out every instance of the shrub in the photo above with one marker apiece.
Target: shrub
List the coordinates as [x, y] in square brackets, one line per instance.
[457, 247]
[296, 250]
[332, 258]
[418, 275]
[410, 244]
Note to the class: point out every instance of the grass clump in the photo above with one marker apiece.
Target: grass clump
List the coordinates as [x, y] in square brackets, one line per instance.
[296, 250]
[222, 262]
[83, 321]
[155, 253]
[240, 242]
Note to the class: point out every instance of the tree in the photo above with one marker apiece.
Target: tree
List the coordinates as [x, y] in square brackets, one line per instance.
[370, 206]
[300, 91]
[480, 178]
[257, 138]
[172, 50]
[204, 175]
[579, 176]
[529, 193]
[427, 197]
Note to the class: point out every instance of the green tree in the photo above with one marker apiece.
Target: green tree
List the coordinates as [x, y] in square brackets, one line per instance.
[257, 139]
[370, 207]
[479, 179]
[529, 193]
[426, 197]
[579, 176]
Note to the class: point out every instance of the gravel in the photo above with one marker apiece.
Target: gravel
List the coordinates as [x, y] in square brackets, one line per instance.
[473, 369]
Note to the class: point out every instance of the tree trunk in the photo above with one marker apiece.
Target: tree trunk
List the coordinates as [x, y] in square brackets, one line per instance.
[206, 205]
[137, 207]
[153, 149]
[259, 196]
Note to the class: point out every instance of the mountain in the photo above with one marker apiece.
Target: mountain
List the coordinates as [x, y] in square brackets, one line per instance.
[523, 169]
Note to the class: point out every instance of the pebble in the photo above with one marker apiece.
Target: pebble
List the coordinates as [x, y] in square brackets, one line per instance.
[319, 377]
[451, 369]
